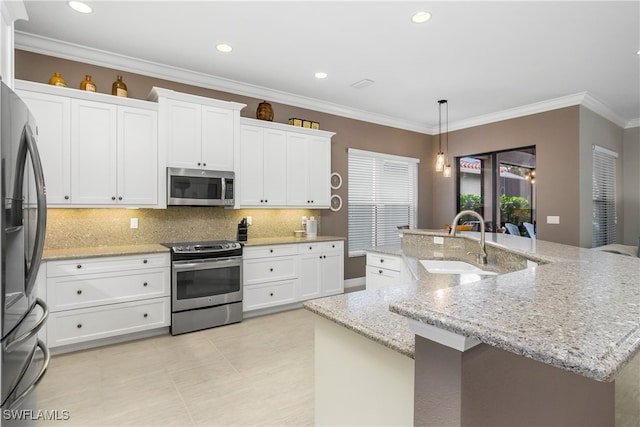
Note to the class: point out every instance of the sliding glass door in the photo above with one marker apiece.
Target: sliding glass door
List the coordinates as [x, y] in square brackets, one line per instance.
[500, 186]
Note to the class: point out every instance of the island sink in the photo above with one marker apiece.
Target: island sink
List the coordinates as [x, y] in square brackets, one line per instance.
[440, 266]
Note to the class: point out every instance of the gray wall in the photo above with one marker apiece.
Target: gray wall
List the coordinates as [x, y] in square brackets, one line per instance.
[596, 130]
[555, 135]
[631, 187]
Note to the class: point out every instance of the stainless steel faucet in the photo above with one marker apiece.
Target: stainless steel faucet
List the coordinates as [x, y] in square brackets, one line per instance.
[482, 256]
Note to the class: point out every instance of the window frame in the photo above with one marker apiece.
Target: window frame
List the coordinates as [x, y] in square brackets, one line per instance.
[606, 163]
[411, 162]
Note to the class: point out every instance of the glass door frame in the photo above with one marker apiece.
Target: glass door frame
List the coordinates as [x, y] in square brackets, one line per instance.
[495, 175]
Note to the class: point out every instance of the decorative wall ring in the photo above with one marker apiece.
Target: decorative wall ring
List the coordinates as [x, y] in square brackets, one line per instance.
[336, 203]
[336, 181]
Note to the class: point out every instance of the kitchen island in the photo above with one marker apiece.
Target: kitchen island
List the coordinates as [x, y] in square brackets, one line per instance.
[572, 310]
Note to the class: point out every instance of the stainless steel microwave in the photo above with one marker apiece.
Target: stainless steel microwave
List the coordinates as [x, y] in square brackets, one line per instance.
[197, 187]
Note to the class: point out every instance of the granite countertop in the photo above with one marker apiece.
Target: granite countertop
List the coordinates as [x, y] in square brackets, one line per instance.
[580, 311]
[263, 241]
[101, 251]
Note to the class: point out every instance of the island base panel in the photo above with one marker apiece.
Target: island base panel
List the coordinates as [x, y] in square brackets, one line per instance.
[488, 386]
[359, 382]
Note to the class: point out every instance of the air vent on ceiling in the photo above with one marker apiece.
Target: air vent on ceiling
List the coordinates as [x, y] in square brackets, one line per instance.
[362, 83]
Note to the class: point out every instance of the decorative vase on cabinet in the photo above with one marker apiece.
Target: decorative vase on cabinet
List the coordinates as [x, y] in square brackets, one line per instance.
[264, 112]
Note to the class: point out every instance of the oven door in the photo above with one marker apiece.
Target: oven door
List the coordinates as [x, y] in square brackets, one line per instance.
[205, 283]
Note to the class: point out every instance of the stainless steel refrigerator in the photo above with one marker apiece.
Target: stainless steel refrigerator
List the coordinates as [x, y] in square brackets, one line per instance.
[24, 358]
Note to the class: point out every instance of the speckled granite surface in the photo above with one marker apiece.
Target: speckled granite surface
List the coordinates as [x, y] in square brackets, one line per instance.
[100, 251]
[580, 311]
[263, 241]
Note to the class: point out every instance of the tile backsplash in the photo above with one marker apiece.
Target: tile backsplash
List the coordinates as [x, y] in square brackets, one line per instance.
[78, 228]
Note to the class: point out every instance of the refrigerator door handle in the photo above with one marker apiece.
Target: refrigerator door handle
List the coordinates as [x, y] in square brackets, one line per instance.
[14, 342]
[28, 146]
[14, 401]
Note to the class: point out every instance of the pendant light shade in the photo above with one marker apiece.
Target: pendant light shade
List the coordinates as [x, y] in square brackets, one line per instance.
[442, 163]
[447, 171]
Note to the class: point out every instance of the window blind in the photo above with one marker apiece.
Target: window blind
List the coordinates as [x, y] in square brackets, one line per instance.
[382, 196]
[603, 193]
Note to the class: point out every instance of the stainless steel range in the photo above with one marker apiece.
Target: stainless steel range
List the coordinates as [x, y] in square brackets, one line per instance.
[206, 284]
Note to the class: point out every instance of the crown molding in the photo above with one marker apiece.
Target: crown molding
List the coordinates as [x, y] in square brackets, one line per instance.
[75, 52]
[13, 11]
[635, 123]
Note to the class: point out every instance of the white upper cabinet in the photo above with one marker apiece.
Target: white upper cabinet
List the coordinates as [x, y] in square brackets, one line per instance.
[284, 166]
[218, 128]
[262, 167]
[53, 118]
[93, 152]
[198, 132]
[137, 156]
[97, 150]
[308, 171]
[183, 123]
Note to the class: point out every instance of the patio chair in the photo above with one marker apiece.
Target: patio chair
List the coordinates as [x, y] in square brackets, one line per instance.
[530, 229]
[512, 228]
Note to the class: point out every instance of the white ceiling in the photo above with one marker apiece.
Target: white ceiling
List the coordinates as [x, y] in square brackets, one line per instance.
[491, 60]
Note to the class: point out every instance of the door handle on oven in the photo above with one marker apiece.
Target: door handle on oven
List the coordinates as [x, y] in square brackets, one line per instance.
[180, 265]
[14, 342]
[14, 401]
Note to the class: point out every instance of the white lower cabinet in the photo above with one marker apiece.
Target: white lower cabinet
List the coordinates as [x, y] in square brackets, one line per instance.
[385, 270]
[276, 275]
[95, 298]
[321, 269]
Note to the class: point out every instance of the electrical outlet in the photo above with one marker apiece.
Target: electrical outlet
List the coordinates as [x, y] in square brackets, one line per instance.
[553, 220]
[134, 222]
[249, 220]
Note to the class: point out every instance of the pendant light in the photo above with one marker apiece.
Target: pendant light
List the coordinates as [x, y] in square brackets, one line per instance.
[440, 155]
[442, 161]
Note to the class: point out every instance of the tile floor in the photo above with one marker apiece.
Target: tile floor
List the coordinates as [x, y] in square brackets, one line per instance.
[257, 372]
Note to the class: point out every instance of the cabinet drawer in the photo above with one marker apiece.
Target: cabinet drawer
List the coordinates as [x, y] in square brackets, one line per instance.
[333, 246]
[269, 251]
[263, 270]
[107, 264]
[71, 292]
[382, 272]
[74, 326]
[384, 261]
[268, 295]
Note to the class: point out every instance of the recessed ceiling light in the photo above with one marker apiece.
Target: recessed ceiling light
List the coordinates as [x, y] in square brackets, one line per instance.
[223, 47]
[420, 17]
[320, 75]
[79, 6]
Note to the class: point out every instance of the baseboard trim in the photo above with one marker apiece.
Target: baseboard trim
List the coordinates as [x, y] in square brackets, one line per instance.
[355, 282]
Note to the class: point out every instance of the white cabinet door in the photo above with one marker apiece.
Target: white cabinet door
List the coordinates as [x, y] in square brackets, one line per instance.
[185, 134]
[52, 115]
[251, 166]
[217, 138]
[319, 172]
[137, 156]
[274, 175]
[93, 152]
[297, 170]
[308, 171]
[333, 273]
[310, 276]
[262, 167]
